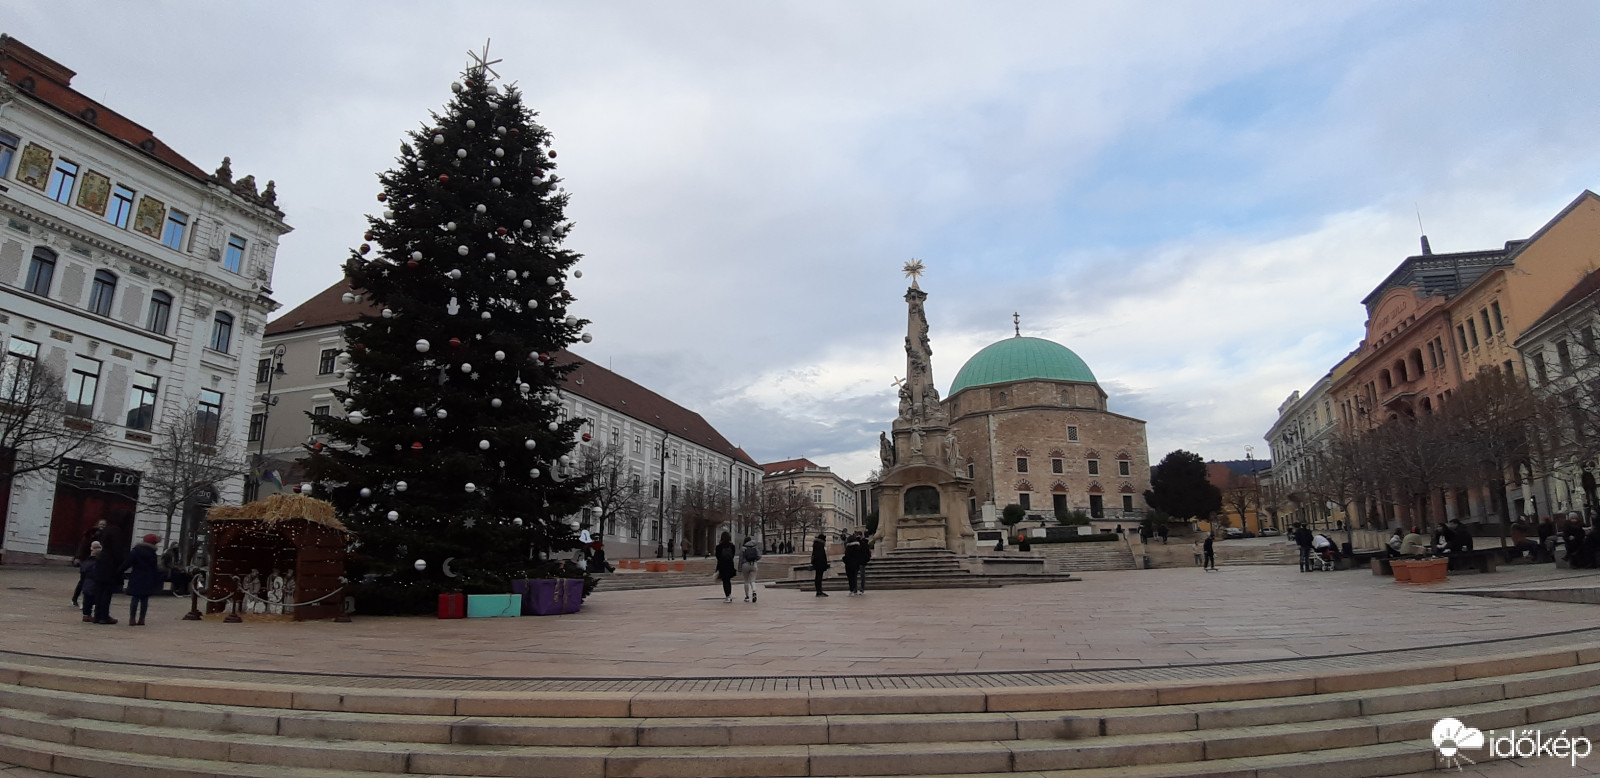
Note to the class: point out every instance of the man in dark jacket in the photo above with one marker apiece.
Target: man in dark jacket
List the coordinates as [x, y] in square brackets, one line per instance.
[144, 578]
[855, 557]
[1302, 538]
[108, 573]
[819, 561]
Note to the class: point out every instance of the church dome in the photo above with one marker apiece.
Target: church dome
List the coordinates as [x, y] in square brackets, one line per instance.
[1021, 359]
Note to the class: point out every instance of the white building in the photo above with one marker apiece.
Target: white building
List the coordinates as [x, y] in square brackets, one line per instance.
[137, 277]
[1302, 429]
[637, 422]
[834, 497]
[1561, 356]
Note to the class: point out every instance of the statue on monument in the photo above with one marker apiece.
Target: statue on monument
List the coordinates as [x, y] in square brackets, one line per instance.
[916, 440]
[885, 451]
[952, 449]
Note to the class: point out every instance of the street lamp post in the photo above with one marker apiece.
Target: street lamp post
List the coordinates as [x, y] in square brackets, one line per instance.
[268, 400]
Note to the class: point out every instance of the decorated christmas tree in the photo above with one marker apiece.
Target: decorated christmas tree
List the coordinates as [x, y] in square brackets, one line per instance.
[450, 462]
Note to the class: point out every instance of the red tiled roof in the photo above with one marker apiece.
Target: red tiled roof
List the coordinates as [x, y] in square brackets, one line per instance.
[589, 381]
[789, 464]
[47, 81]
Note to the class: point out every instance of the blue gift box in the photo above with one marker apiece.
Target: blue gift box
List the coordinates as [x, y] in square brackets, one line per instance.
[484, 606]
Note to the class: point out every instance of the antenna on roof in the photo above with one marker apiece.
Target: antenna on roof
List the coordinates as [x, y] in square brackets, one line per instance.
[1426, 249]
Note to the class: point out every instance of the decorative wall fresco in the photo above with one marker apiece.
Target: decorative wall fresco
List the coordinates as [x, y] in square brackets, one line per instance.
[149, 218]
[34, 168]
[94, 191]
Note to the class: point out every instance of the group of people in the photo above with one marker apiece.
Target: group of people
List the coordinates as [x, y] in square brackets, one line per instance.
[742, 561]
[1448, 538]
[1317, 551]
[103, 559]
[1582, 545]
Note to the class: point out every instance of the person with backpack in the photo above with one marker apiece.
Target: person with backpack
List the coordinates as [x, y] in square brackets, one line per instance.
[749, 556]
[726, 570]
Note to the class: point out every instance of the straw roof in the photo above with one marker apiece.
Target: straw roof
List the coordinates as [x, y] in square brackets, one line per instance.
[279, 507]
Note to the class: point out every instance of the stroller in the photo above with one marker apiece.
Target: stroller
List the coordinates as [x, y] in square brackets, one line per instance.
[1325, 558]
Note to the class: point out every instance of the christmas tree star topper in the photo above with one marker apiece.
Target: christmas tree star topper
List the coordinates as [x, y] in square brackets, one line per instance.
[482, 63]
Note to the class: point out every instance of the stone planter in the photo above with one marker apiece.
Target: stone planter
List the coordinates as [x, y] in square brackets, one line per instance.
[1402, 570]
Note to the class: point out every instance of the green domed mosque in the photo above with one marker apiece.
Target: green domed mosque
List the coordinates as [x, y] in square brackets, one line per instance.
[1031, 422]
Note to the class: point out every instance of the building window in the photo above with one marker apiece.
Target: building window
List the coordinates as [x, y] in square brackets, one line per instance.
[121, 206]
[324, 363]
[1022, 464]
[102, 292]
[638, 444]
[233, 258]
[1472, 331]
[258, 427]
[172, 234]
[319, 415]
[82, 384]
[16, 378]
[816, 496]
[160, 311]
[1461, 334]
[1486, 329]
[208, 417]
[972, 470]
[1025, 500]
[616, 436]
[1539, 370]
[221, 331]
[1564, 356]
[263, 370]
[1124, 467]
[8, 150]
[1057, 465]
[1002, 399]
[41, 271]
[62, 179]
[1094, 467]
[1510, 371]
[1127, 503]
[1494, 310]
[1072, 432]
[1097, 506]
[142, 401]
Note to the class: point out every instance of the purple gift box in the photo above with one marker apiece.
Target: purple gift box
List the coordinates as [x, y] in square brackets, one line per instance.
[549, 596]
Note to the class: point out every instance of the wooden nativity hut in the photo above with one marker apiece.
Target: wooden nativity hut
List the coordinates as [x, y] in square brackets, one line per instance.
[279, 551]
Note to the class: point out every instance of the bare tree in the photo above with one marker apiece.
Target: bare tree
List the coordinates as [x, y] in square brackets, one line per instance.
[37, 431]
[705, 505]
[790, 513]
[194, 456]
[614, 490]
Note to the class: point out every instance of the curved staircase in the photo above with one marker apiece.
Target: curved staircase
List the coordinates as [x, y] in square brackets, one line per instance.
[143, 722]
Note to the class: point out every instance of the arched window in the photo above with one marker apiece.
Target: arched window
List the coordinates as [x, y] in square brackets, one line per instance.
[221, 331]
[102, 292]
[160, 311]
[41, 271]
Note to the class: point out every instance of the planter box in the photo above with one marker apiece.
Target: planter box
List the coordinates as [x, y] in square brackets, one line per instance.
[677, 567]
[452, 606]
[655, 567]
[488, 606]
[1402, 570]
[1430, 571]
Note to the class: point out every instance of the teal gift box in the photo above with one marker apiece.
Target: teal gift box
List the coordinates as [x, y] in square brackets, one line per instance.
[488, 606]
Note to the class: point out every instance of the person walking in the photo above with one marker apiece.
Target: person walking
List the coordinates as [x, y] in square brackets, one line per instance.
[90, 537]
[726, 569]
[1302, 538]
[108, 573]
[749, 556]
[86, 584]
[1210, 554]
[671, 544]
[1162, 531]
[819, 561]
[866, 559]
[144, 578]
[855, 552]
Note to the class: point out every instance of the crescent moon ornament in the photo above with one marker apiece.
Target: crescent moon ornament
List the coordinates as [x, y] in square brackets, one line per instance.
[448, 573]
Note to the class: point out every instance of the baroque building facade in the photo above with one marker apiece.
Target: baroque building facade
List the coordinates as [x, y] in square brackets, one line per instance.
[137, 279]
[834, 497]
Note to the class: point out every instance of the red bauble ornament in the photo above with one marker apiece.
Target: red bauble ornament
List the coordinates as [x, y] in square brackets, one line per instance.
[366, 236]
[566, 295]
[383, 197]
[444, 178]
[416, 446]
[364, 249]
[544, 357]
[552, 153]
[587, 437]
[411, 263]
[316, 447]
[499, 230]
[455, 343]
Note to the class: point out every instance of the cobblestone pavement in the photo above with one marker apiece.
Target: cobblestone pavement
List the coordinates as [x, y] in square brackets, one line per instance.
[1110, 627]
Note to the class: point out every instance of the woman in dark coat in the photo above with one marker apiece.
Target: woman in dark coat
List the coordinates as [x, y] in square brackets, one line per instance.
[108, 572]
[144, 578]
[727, 553]
[819, 561]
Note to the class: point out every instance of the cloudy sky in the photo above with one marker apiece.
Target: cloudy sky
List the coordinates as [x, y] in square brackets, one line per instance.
[1192, 196]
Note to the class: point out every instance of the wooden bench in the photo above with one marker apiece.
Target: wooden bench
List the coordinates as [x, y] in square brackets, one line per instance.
[1484, 560]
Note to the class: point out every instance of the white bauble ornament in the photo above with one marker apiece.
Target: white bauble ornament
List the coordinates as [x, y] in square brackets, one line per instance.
[441, 414]
[387, 314]
[338, 374]
[471, 487]
[356, 417]
[483, 315]
[438, 140]
[394, 515]
[461, 153]
[534, 472]
[492, 89]
[388, 214]
[471, 124]
[587, 338]
[347, 298]
[419, 411]
[483, 445]
[532, 303]
[500, 130]
[420, 564]
[416, 256]
[551, 281]
[399, 486]
[365, 492]
[517, 521]
[462, 250]
[499, 152]
[499, 356]
[566, 460]
[554, 426]
[528, 444]
[454, 272]
[422, 345]
[511, 275]
[523, 388]
[466, 367]
[571, 320]
[482, 208]
[577, 274]
[495, 403]
[494, 181]
[489, 256]
[451, 226]
[455, 86]
[526, 223]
